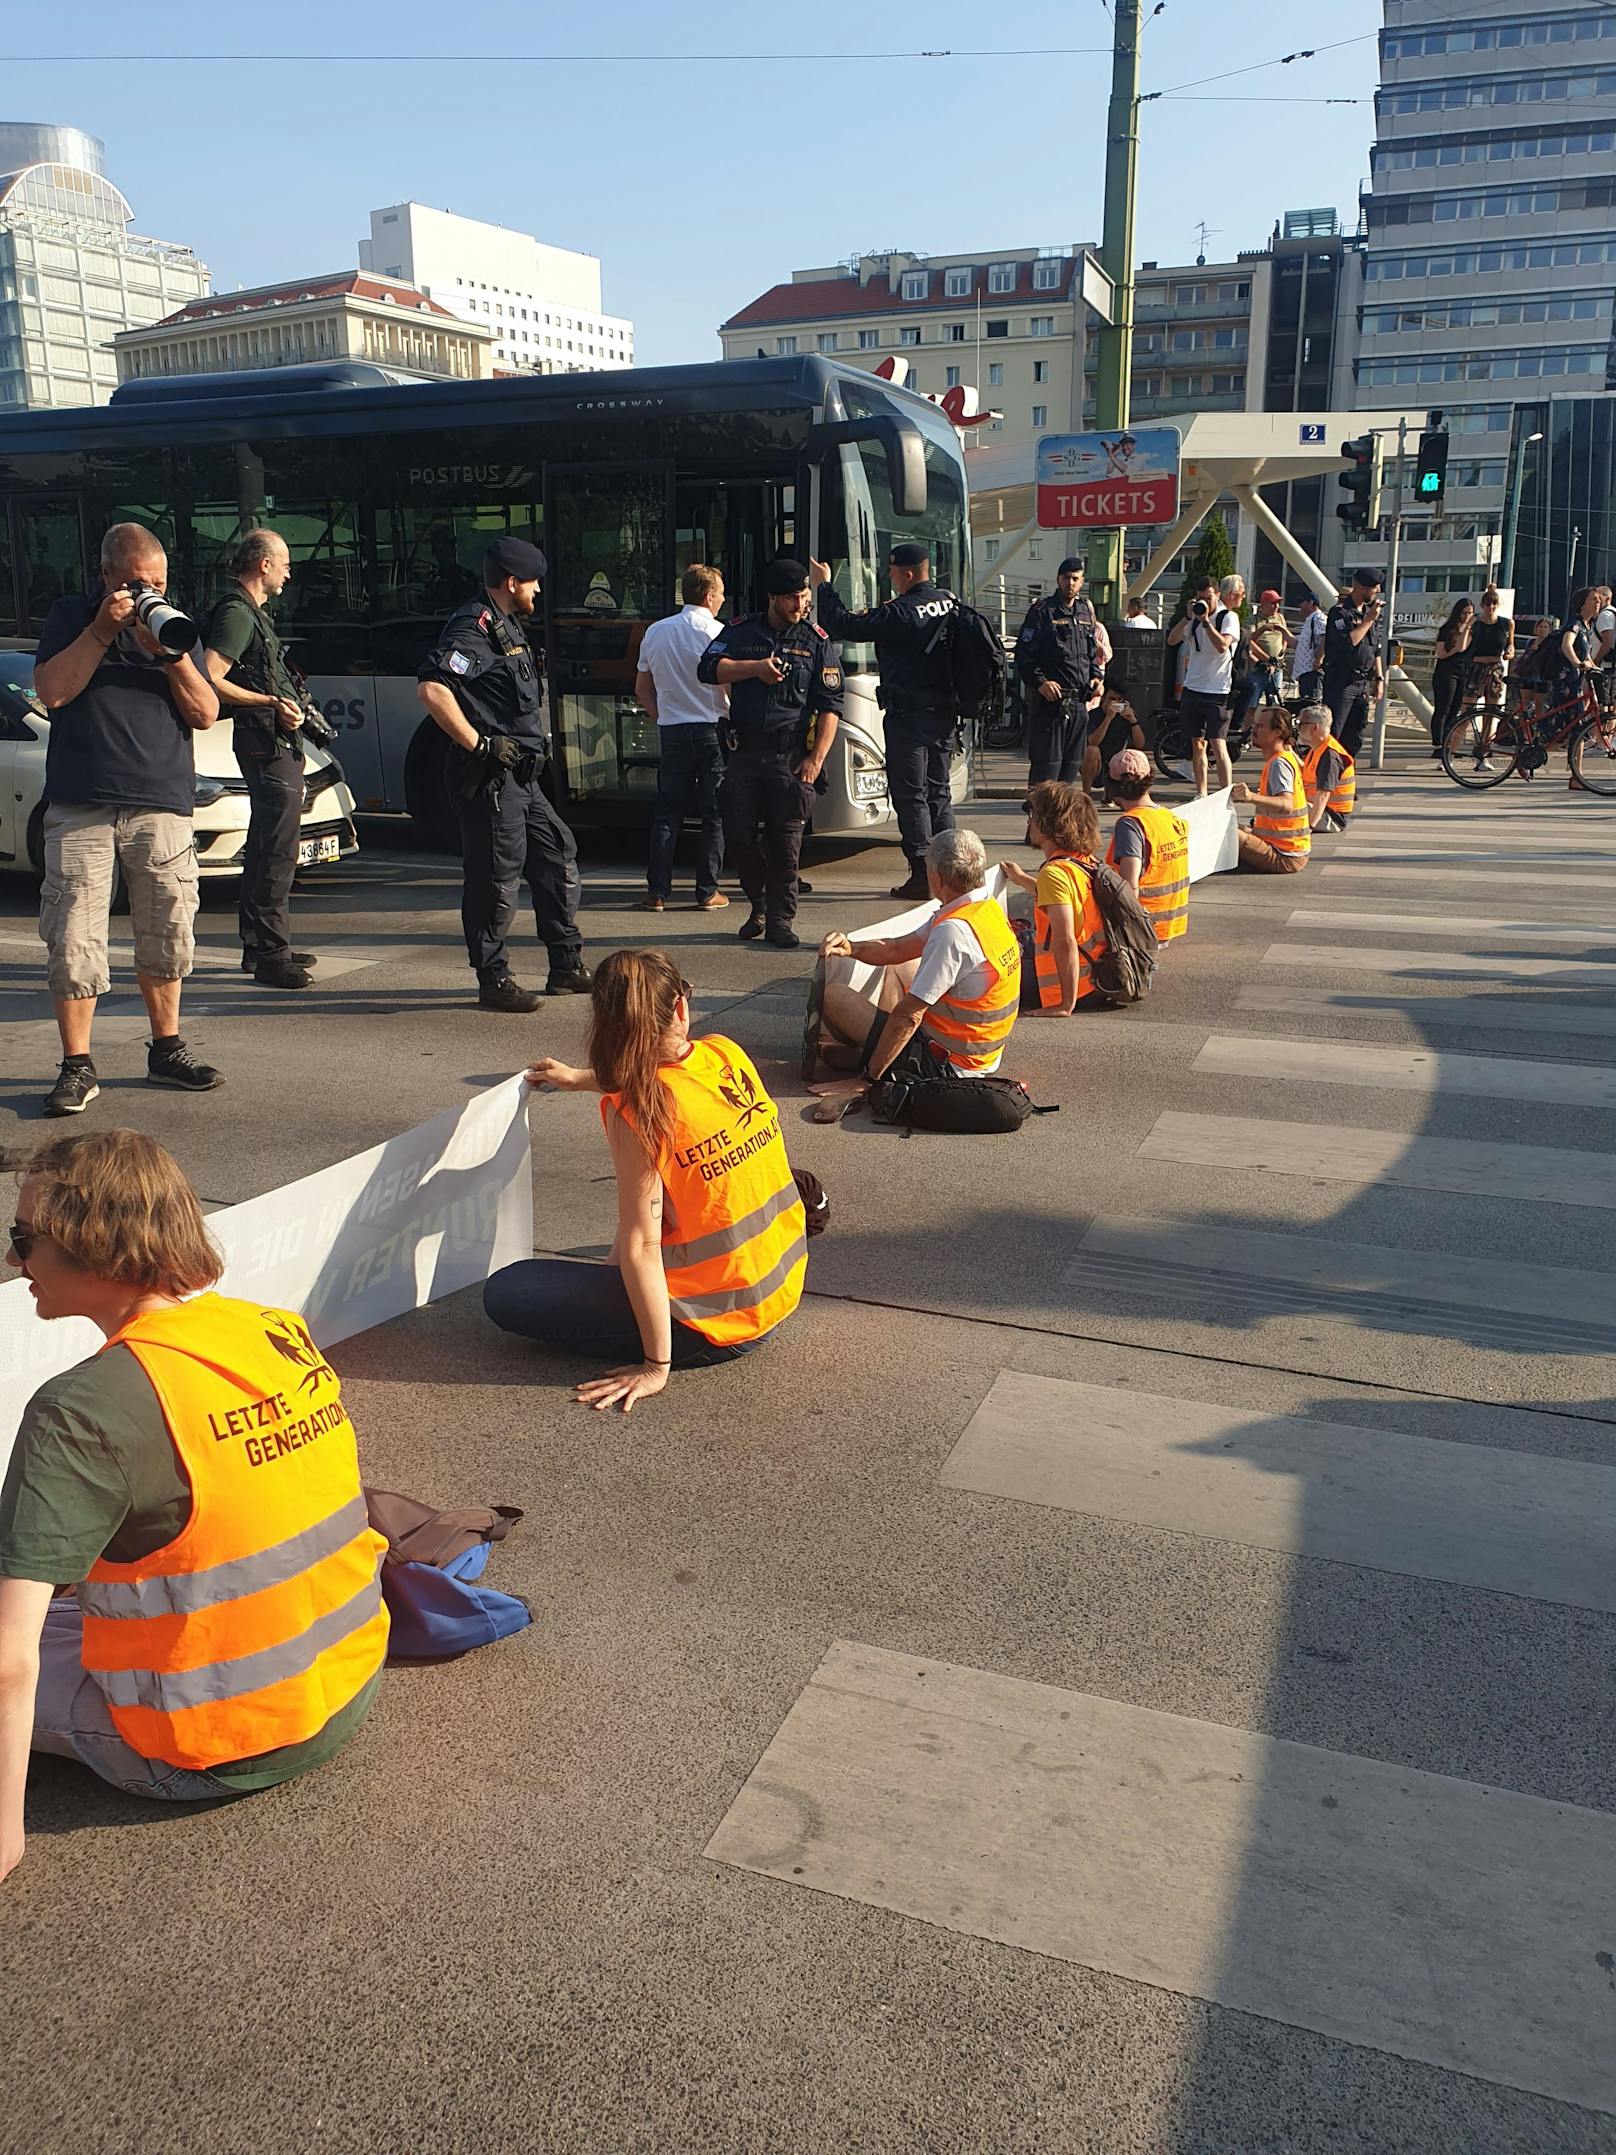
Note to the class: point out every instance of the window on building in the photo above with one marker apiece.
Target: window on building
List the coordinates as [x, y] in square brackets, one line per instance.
[1040, 370]
[1035, 549]
[785, 347]
[951, 377]
[996, 374]
[1002, 277]
[990, 550]
[1041, 325]
[956, 332]
[1189, 295]
[827, 340]
[868, 339]
[998, 329]
[956, 283]
[908, 336]
[914, 284]
[1046, 276]
[1040, 415]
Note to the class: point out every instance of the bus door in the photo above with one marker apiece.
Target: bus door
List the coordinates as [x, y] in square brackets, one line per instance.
[47, 544]
[736, 526]
[608, 542]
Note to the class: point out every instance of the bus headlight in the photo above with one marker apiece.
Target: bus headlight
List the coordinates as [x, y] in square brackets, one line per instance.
[869, 777]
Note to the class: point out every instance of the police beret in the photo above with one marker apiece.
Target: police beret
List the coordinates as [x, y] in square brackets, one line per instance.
[1073, 565]
[512, 557]
[909, 555]
[784, 575]
[1370, 579]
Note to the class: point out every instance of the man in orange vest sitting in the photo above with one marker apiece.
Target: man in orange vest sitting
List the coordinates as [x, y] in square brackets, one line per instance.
[1150, 847]
[949, 993]
[1280, 838]
[197, 1477]
[1328, 772]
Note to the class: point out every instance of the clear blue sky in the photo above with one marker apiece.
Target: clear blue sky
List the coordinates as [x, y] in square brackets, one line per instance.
[701, 181]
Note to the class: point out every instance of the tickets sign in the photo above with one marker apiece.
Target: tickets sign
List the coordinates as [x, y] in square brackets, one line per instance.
[1102, 480]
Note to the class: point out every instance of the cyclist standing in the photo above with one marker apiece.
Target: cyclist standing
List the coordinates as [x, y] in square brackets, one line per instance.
[1579, 654]
[1492, 646]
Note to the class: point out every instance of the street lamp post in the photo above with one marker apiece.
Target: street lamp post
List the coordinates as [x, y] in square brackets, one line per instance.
[1512, 511]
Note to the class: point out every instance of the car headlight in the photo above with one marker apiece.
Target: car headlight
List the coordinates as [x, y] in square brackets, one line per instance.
[208, 790]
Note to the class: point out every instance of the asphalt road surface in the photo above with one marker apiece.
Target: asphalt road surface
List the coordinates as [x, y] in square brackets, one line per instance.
[1128, 1668]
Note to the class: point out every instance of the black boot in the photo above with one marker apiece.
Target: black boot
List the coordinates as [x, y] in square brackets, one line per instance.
[574, 979]
[915, 887]
[504, 994]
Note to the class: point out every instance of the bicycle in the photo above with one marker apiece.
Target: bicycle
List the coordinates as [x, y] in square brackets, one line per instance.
[1171, 745]
[1523, 739]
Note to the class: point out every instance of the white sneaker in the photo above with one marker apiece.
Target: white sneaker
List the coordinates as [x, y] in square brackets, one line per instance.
[1484, 763]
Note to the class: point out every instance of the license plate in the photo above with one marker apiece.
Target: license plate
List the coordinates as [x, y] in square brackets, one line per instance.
[328, 848]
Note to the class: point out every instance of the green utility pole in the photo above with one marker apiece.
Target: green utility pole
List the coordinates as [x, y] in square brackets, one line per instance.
[1116, 258]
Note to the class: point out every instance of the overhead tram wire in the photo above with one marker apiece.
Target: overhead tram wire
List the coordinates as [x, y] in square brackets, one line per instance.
[1283, 59]
[556, 59]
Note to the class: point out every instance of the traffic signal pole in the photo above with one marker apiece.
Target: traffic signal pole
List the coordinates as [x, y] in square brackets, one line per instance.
[1379, 755]
[1115, 341]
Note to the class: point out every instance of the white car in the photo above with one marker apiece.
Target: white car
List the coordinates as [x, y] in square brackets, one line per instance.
[328, 832]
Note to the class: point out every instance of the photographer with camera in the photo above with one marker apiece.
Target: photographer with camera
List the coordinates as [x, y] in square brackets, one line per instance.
[1211, 631]
[265, 702]
[483, 686]
[120, 679]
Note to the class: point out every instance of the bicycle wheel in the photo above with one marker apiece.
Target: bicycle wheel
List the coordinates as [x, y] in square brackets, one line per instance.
[1172, 751]
[1591, 752]
[1462, 757]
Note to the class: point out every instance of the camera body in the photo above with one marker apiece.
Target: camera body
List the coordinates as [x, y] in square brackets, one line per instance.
[1200, 608]
[314, 726]
[164, 624]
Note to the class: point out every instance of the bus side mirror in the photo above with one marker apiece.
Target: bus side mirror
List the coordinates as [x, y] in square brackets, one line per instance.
[904, 447]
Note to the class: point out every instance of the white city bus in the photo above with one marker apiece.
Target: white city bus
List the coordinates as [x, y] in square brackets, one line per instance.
[388, 491]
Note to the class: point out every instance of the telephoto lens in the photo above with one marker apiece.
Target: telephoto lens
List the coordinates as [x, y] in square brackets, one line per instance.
[315, 727]
[163, 623]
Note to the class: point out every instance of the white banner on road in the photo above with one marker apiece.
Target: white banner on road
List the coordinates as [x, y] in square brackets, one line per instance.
[404, 1224]
[1214, 834]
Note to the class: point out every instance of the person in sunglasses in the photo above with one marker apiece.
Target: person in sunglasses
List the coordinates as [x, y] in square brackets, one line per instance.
[711, 1249]
[196, 1480]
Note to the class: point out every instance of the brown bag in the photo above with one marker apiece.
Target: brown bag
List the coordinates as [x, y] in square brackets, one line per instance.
[416, 1534]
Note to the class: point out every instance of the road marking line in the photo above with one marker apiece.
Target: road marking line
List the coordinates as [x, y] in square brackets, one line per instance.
[1598, 936]
[1465, 1167]
[1471, 1514]
[1526, 1013]
[1543, 1309]
[1399, 1069]
[1411, 1912]
[1596, 888]
[1351, 957]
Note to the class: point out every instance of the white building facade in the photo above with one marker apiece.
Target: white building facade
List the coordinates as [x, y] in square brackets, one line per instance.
[1491, 262]
[72, 274]
[542, 304]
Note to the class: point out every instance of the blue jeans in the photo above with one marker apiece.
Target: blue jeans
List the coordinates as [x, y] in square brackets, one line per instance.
[690, 765]
[584, 1309]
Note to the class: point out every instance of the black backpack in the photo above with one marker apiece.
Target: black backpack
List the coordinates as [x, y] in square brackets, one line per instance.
[959, 1107]
[975, 662]
[1125, 969]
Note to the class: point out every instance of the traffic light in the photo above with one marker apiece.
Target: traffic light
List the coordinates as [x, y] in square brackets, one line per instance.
[1431, 468]
[1362, 480]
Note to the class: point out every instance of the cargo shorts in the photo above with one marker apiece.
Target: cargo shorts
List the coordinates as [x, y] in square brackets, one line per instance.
[157, 852]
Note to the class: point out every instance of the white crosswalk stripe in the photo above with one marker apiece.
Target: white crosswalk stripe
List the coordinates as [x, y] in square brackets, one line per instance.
[1399, 1069]
[1351, 957]
[1461, 925]
[1530, 1013]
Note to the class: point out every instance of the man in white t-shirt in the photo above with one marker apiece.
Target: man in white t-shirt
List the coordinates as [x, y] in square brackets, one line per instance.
[1605, 628]
[1136, 615]
[690, 758]
[1209, 631]
[1307, 653]
[948, 957]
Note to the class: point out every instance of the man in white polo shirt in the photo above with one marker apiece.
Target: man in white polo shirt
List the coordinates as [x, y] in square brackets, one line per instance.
[690, 758]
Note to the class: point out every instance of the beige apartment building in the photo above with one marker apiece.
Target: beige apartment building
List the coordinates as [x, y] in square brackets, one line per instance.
[346, 316]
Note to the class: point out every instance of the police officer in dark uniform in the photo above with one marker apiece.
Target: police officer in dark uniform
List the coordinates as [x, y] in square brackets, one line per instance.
[911, 637]
[1353, 664]
[784, 677]
[484, 686]
[1058, 659]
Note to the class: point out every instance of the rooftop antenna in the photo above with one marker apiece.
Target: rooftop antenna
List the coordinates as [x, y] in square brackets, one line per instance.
[1204, 232]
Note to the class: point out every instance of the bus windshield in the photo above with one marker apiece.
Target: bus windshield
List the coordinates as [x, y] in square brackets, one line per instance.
[859, 524]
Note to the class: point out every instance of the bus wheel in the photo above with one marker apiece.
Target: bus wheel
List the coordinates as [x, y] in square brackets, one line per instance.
[428, 795]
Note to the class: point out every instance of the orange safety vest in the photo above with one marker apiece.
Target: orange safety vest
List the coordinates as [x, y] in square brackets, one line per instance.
[1089, 923]
[263, 1617]
[734, 1235]
[1285, 828]
[1164, 882]
[1344, 795]
[972, 1030]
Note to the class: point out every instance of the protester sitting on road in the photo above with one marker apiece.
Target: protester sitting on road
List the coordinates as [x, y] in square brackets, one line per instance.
[1068, 929]
[1150, 847]
[949, 993]
[711, 1246]
[1280, 839]
[1329, 774]
[198, 1478]
[1115, 728]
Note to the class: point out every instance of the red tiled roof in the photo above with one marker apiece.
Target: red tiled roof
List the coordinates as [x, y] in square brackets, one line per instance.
[828, 298]
[351, 283]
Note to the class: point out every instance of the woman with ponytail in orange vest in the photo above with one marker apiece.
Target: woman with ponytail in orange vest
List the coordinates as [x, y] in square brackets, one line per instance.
[711, 1248]
[1068, 928]
[1280, 838]
[1150, 847]
[198, 1478]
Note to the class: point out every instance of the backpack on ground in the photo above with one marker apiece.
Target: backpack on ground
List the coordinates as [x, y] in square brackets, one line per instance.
[956, 1107]
[975, 662]
[1124, 970]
